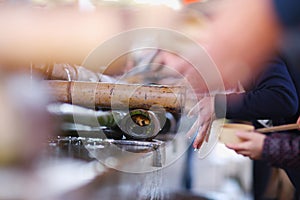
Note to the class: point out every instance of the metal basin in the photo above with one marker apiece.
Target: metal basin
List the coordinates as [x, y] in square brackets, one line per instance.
[95, 148]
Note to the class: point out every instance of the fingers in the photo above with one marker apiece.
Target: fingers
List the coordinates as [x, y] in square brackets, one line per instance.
[193, 129]
[195, 110]
[204, 120]
[248, 153]
[252, 146]
[199, 140]
[239, 146]
[244, 153]
[200, 136]
[208, 132]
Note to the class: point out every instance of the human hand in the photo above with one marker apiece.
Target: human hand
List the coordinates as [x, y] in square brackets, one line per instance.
[251, 146]
[205, 111]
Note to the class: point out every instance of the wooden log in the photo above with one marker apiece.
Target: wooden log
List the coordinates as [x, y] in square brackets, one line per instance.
[118, 96]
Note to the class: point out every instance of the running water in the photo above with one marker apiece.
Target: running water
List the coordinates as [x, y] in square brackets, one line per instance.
[152, 187]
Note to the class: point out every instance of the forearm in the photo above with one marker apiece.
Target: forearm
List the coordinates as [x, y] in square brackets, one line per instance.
[273, 96]
[264, 105]
[282, 150]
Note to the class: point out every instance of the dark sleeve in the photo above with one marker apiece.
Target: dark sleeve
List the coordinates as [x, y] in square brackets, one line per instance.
[273, 96]
[288, 12]
[282, 150]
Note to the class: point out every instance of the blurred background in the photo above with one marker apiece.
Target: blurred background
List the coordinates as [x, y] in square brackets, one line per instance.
[60, 138]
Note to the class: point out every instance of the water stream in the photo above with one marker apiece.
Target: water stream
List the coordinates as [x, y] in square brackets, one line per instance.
[152, 187]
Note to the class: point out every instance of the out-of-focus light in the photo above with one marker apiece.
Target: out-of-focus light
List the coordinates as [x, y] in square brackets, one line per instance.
[193, 1]
[86, 5]
[175, 4]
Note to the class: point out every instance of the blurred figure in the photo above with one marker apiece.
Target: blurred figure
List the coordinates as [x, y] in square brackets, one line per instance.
[231, 37]
[25, 123]
[242, 35]
[25, 127]
[271, 95]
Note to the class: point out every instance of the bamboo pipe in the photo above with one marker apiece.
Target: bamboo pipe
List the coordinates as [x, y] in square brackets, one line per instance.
[285, 127]
[61, 71]
[117, 96]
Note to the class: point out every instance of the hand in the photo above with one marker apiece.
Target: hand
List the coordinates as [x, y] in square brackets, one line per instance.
[205, 112]
[251, 146]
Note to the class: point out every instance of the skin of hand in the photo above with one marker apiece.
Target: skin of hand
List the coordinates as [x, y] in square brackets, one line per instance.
[251, 146]
[205, 112]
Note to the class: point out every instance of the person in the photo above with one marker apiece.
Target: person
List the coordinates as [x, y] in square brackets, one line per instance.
[246, 33]
[241, 25]
[227, 61]
[278, 149]
[271, 95]
[242, 31]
